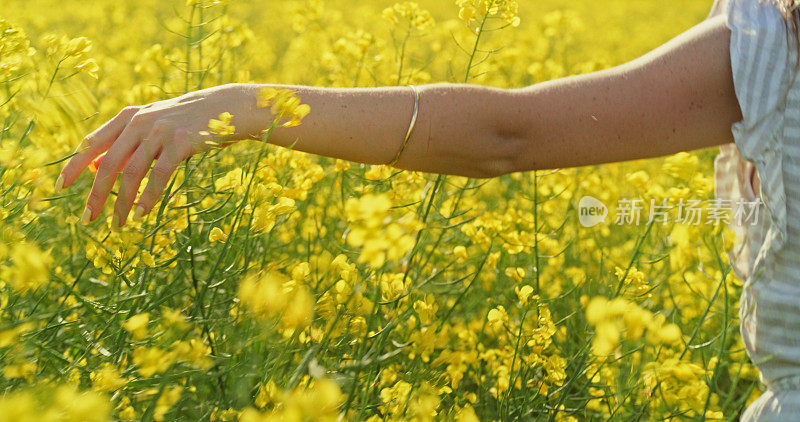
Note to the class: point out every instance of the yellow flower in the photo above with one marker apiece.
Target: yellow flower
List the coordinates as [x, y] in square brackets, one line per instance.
[151, 360]
[389, 15]
[392, 241]
[263, 295]
[301, 271]
[194, 351]
[29, 268]
[470, 10]
[427, 309]
[517, 273]
[284, 206]
[635, 281]
[461, 253]
[378, 172]
[370, 209]
[86, 406]
[392, 287]
[137, 325]
[165, 401]
[222, 127]
[299, 309]
[233, 179]
[267, 393]
[396, 396]
[147, 259]
[667, 334]
[639, 179]
[20, 370]
[89, 66]
[419, 18]
[524, 293]
[107, 378]
[467, 414]
[316, 400]
[78, 46]
[498, 317]
[10, 336]
[681, 165]
[217, 235]
[263, 220]
[284, 104]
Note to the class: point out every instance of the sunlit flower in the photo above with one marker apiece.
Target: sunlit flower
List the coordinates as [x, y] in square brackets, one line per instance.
[284, 104]
[217, 235]
[498, 317]
[137, 325]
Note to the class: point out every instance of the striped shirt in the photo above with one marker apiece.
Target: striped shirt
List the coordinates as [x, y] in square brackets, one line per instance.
[767, 255]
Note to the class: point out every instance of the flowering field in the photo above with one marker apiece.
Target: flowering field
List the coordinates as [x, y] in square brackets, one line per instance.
[270, 284]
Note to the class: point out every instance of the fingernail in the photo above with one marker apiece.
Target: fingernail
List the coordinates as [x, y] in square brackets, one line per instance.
[87, 215]
[138, 212]
[59, 184]
[115, 222]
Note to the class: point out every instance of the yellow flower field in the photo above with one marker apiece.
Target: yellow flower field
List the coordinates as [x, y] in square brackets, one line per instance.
[270, 284]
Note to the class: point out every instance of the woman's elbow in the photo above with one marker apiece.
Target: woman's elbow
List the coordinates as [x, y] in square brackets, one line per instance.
[507, 156]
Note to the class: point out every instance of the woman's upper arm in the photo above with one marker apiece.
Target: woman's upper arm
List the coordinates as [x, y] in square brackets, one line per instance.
[678, 97]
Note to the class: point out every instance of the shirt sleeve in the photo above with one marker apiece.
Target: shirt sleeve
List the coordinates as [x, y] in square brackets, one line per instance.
[763, 56]
[759, 62]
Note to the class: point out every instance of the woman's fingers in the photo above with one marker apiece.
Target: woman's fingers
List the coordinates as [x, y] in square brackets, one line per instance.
[93, 145]
[176, 149]
[137, 167]
[116, 157]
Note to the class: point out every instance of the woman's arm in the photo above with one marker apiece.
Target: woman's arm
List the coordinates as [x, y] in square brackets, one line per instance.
[678, 97]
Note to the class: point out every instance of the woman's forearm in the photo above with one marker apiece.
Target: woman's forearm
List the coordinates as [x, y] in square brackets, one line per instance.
[456, 131]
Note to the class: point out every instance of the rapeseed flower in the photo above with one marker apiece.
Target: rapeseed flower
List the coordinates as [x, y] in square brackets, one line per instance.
[137, 325]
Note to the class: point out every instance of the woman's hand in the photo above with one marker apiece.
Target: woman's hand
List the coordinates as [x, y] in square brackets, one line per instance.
[166, 132]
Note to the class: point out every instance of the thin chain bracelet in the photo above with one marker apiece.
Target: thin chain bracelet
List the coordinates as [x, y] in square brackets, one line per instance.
[410, 126]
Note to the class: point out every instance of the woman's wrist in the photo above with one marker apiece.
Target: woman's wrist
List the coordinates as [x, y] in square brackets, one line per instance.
[249, 120]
